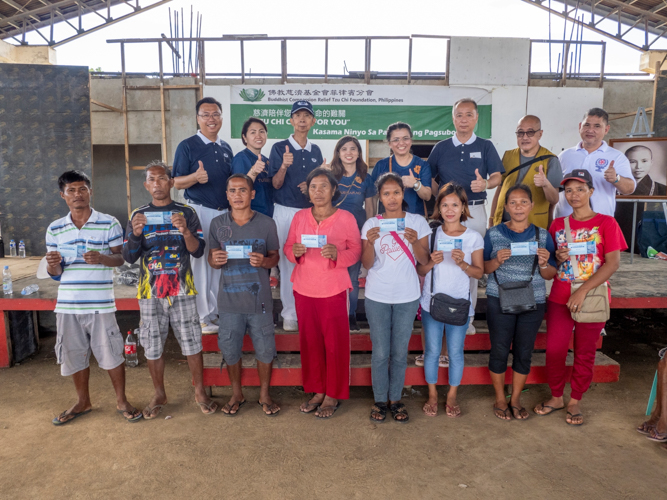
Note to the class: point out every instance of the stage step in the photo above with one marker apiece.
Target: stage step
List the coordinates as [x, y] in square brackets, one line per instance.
[361, 341]
[287, 370]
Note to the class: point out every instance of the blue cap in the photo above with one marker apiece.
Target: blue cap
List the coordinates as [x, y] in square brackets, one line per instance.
[299, 105]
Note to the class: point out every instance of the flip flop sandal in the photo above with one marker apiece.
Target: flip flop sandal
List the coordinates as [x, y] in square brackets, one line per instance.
[381, 410]
[659, 438]
[451, 411]
[580, 423]
[229, 408]
[212, 407]
[399, 409]
[334, 408]
[310, 407]
[645, 429]
[518, 411]
[57, 421]
[543, 407]
[270, 407]
[132, 417]
[504, 412]
[430, 410]
[149, 411]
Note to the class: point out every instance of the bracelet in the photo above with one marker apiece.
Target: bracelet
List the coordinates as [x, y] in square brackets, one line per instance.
[486, 184]
[545, 267]
[466, 269]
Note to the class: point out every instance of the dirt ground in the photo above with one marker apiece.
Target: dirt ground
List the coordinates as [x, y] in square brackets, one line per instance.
[298, 456]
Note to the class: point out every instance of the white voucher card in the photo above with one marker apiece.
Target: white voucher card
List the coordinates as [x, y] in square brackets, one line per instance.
[449, 244]
[238, 251]
[581, 247]
[314, 240]
[387, 225]
[524, 248]
[157, 218]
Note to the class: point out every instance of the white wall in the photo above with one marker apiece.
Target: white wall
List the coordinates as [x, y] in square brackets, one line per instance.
[489, 61]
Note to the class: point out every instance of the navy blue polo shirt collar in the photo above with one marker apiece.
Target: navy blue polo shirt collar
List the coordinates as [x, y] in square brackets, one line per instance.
[457, 143]
[603, 147]
[297, 146]
[206, 140]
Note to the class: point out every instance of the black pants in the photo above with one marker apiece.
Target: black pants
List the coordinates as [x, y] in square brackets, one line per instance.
[512, 331]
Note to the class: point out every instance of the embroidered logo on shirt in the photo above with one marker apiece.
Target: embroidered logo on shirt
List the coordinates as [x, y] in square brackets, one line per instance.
[225, 155]
[600, 164]
[314, 160]
[478, 154]
[417, 169]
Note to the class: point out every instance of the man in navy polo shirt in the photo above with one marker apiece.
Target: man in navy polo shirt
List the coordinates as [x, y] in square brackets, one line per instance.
[473, 163]
[202, 164]
[290, 163]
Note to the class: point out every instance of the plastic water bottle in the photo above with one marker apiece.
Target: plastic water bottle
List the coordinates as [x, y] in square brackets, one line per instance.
[30, 289]
[12, 248]
[7, 287]
[21, 250]
[131, 350]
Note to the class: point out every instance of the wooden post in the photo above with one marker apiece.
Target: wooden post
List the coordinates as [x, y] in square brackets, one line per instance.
[563, 76]
[409, 60]
[242, 64]
[162, 111]
[127, 143]
[326, 60]
[283, 61]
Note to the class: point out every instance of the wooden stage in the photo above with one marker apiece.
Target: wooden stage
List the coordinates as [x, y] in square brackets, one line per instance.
[640, 285]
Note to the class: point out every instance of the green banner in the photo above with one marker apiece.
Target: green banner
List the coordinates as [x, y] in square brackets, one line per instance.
[366, 122]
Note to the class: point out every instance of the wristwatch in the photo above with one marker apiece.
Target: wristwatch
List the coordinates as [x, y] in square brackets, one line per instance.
[618, 178]
[417, 185]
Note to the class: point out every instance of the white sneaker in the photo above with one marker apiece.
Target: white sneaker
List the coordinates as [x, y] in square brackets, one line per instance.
[471, 328]
[290, 325]
[209, 328]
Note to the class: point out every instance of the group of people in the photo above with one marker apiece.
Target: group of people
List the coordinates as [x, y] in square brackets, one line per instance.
[205, 265]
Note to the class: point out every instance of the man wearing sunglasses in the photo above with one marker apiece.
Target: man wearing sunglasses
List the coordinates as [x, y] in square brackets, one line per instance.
[533, 165]
[202, 164]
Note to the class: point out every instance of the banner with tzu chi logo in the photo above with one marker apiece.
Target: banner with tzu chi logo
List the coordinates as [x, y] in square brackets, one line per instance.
[364, 111]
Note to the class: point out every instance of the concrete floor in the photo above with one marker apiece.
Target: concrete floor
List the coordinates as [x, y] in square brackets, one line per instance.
[299, 456]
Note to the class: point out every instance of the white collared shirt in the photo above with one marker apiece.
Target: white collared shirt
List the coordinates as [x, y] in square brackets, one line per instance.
[457, 143]
[603, 200]
[206, 140]
[297, 146]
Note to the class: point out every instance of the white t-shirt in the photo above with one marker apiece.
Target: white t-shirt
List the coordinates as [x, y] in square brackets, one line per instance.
[450, 278]
[393, 278]
[604, 196]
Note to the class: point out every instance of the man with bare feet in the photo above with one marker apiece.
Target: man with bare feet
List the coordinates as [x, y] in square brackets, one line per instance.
[244, 244]
[82, 248]
[164, 234]
[655, 428]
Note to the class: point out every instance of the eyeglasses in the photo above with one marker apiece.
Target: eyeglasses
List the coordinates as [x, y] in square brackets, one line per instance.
[213, 115]
[528, 133]
[401, 139]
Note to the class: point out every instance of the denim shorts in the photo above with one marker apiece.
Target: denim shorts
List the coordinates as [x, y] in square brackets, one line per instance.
[233, 327]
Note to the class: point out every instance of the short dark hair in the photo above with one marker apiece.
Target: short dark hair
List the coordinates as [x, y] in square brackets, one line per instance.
[160, 164]
[208, 100]
[245, 177]
[387, 177]
[469, 100]
[246, 126]
[329, 175]
[600, 113]
[518, 187]
[398, 126]
[71, 176]
[458, 190]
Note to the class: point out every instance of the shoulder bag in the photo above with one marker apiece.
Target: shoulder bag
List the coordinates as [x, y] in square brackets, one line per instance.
[595, 308]
[517, 297]
[444, 308]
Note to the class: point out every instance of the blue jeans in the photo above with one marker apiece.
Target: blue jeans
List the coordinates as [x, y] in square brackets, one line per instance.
[456, 335]
[391, 328]
[354, 294]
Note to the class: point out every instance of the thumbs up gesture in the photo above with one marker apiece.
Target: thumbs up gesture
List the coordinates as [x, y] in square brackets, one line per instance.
[288, 158]
[325, 165]
[610, 173]
[540, 179]
[201, 175]
[258, 167]
[479, 184]
[409, 180]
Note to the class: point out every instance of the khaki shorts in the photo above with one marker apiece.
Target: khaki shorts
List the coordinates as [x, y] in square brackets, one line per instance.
[81, 334]
[157, 314]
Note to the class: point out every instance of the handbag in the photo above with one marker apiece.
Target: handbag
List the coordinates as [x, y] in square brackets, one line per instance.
[517, 297]
[595, 308]
[444, 308]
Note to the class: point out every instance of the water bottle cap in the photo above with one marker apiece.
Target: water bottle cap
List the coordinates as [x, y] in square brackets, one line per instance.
[6, 267]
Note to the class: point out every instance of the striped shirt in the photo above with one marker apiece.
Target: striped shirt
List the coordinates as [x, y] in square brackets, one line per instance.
[85, 288]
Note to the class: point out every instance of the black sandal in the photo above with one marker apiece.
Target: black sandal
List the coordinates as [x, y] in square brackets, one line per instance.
[399, 409]
[379, 409]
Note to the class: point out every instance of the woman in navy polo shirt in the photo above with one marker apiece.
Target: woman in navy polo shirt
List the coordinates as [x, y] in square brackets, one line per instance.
[356, 189]
[415, 172]
[250, 162]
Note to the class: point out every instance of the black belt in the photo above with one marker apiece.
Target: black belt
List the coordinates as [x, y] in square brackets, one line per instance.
[476, 202]
[219, 209]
